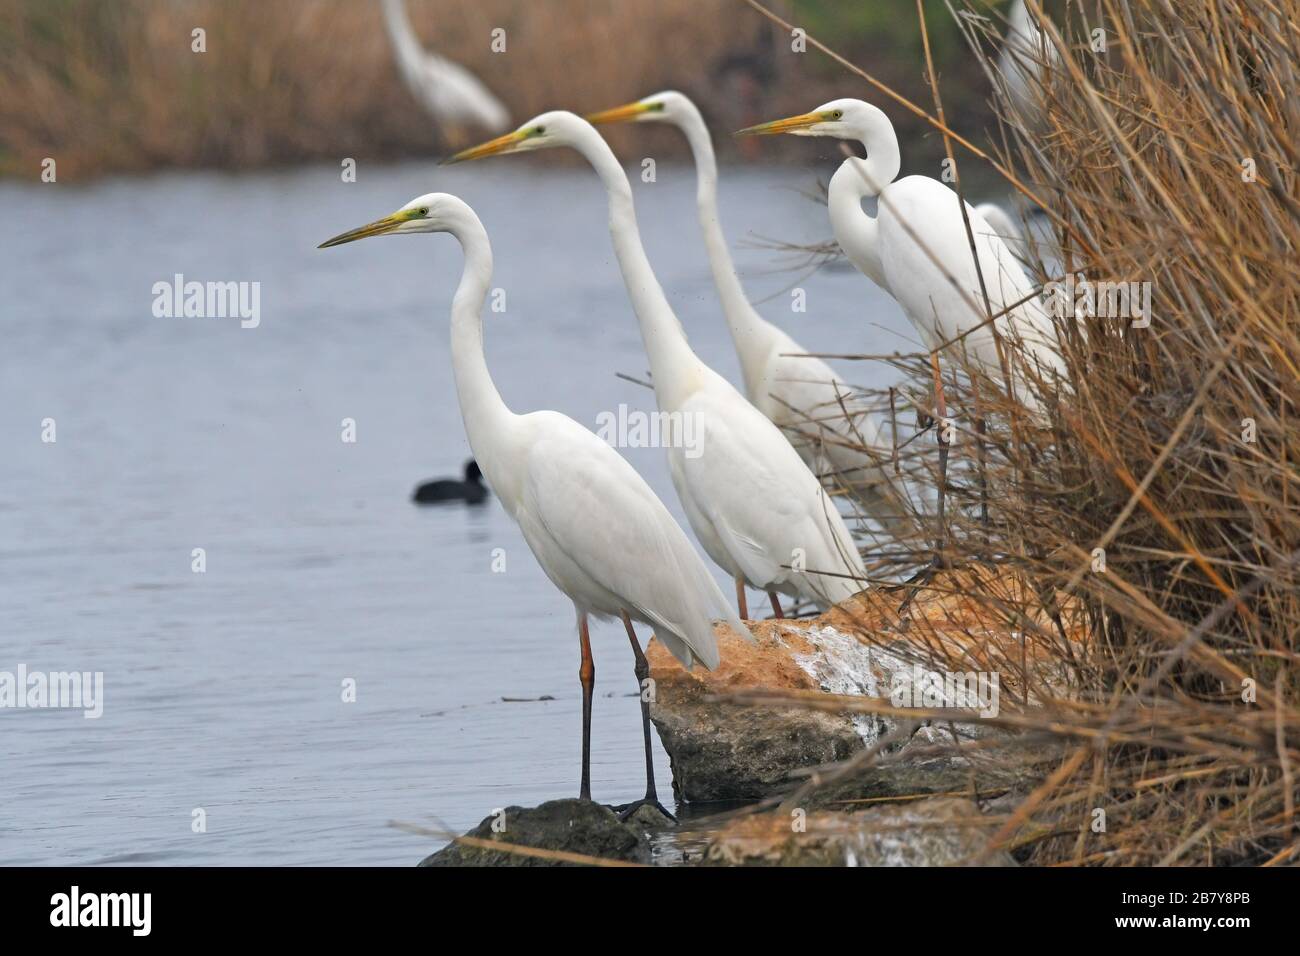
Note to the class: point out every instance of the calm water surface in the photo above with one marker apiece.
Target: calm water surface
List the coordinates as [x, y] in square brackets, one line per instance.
[223, 689]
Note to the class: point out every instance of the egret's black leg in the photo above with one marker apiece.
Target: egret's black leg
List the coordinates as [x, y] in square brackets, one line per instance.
[586, 674]
[643, 688]
[742, 605]
[937, 560]
[941, 407]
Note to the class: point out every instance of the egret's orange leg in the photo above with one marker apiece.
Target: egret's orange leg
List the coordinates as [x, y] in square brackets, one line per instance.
[776, 602]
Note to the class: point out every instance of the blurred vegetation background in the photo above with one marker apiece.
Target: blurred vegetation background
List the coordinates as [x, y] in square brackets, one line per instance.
[112, 85]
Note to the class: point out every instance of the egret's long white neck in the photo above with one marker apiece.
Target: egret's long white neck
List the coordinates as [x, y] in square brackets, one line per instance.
[401, 34]
[859, 179]
[481, 406]
[854, 229]
[672, 363]
[746, 325]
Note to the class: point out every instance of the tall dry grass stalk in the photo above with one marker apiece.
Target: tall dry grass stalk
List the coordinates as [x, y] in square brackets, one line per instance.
[1172, 454]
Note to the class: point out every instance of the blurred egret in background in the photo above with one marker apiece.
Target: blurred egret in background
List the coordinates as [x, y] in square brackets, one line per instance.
[452, 94]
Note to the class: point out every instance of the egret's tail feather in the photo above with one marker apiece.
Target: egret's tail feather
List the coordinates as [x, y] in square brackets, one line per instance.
[701, 646]
[832, 590]
[688, 652]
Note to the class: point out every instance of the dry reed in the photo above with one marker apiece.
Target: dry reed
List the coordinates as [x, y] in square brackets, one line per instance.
[1143, 534]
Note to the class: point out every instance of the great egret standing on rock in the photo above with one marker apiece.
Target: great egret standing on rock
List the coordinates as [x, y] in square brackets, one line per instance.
[592, 522]
[917, 250]
[756, 508]
[799, 393]
[452, 94]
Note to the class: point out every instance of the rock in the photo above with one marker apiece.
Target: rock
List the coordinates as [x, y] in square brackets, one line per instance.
[933, 832]
[570, 826]
[736, 752]
[1013, 765]
[728, 749]
[649, 818]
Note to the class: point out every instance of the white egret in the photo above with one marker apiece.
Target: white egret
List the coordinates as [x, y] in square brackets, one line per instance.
[917, 250]
[592, 522]
[1025, 52]
[999, 222]
[800, 394]
[1007, 229]
[754, 505]
[449, 92]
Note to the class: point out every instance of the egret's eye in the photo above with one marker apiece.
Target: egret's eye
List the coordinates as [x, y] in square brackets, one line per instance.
[836, 114]
[538, 131]
[424, 210]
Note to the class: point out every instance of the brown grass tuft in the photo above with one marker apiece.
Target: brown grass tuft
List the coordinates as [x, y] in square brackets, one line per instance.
[1183, 710]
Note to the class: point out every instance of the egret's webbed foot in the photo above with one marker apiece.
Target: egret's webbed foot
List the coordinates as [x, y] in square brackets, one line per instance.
[625, 813]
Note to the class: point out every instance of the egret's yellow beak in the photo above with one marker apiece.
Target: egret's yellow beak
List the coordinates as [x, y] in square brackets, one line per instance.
[493, 147]
[622, 114]
[377, 228]
[788, 125]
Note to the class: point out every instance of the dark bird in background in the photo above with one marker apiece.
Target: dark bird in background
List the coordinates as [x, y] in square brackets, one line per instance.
[471, 490]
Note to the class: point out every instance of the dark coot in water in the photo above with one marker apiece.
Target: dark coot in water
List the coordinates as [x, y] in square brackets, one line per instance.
[471, 490]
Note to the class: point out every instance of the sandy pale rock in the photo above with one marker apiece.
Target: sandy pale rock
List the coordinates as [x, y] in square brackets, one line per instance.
[932, 832]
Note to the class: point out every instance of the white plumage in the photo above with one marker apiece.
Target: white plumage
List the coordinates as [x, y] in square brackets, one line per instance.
[800, 394]
[598, 531]
[916, 248]
[1025, 52]
[999, 222]
[451, 94]
[602, 536]
[752, 502]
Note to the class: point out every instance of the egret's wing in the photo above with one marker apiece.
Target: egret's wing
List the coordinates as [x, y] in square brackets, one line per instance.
[736, 488]
[607, 521]
[819, 399]
[926, 290]
[764, 503]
